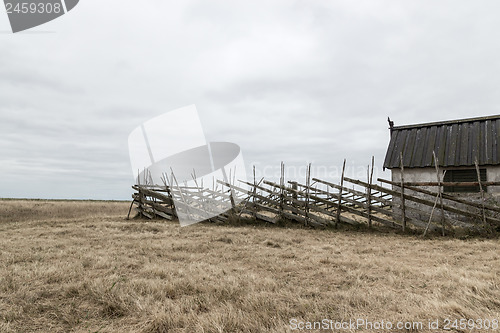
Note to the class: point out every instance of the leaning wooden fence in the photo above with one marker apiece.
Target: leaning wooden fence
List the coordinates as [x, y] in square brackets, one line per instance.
[320, 203]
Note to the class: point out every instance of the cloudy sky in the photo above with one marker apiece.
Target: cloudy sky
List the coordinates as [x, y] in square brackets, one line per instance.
[293, 81]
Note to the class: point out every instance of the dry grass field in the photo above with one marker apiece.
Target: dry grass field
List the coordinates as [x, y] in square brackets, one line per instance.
[82, 267]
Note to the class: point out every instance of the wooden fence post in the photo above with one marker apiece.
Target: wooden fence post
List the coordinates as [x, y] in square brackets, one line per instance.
[439, 197]
[403, 208]
[282, 189]
[231, 194]
[369, 192]
[480, 190]
[294, 195]
[339, 203]
[440, 192]
[254, 192]
[308, 190]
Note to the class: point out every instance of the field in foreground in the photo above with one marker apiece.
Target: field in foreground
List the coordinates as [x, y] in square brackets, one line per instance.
[82, 267]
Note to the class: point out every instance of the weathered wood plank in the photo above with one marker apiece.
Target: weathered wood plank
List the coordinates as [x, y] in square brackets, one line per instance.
[153, 194]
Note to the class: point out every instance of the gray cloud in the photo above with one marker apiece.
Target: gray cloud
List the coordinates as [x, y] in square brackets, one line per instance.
[287, 80]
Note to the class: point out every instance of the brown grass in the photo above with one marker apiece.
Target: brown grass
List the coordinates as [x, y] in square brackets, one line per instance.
[81, 267]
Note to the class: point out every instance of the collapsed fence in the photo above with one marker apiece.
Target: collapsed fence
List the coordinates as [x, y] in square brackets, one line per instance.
[319, 203]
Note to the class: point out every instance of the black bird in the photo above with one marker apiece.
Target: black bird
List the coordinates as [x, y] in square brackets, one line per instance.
[391, 123]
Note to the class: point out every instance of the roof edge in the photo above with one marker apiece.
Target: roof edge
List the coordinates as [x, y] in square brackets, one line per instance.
[447, 122]
[443, 167]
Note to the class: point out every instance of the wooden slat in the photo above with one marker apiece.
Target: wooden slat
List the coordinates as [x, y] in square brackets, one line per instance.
[153, 194]
[158, 206]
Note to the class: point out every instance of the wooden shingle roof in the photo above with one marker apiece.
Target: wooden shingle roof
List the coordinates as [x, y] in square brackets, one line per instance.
[456, 143]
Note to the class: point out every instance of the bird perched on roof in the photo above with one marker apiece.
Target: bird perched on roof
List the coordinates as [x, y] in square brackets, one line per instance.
[391, 123]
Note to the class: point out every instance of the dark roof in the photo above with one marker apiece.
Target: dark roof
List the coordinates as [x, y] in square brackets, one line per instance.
[456, 143]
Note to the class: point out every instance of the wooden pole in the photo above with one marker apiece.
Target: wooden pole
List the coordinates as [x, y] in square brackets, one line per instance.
[403, 210]
[430, 217]
[130, 209]
[294, 195]
[480, 190]
[439, 196]
[282, 191]
[440, 192]
[254, 192]
[369, 193]
[308, 192]
[328, 196]
[231, 196]
[339, 203]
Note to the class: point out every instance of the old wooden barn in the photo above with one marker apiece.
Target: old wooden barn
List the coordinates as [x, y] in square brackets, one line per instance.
[459, 145]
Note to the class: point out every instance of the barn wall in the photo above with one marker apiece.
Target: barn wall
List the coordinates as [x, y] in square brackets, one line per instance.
[417, 175]
[419, 212]
[493, 175]
[429, 175]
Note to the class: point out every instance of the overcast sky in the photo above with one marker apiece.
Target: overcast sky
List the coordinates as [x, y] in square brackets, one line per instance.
[293, 81]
